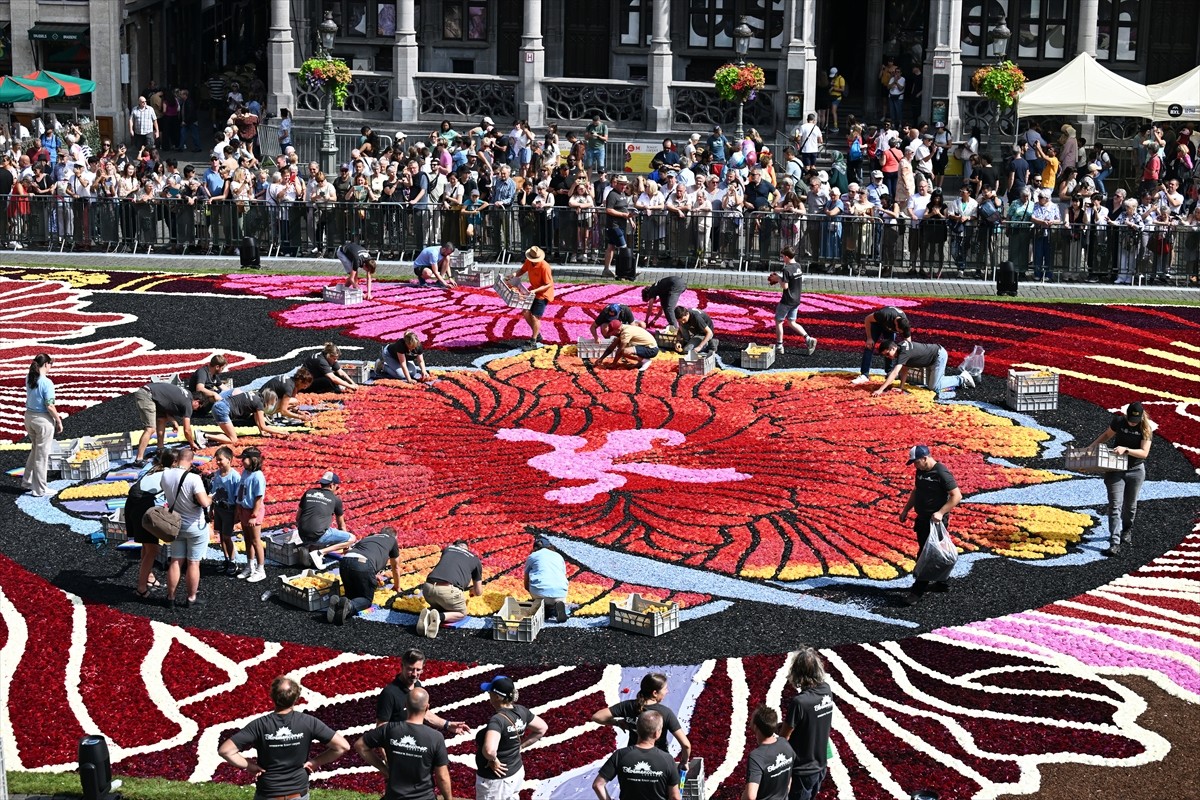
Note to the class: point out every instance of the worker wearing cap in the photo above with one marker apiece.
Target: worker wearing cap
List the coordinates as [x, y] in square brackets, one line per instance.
[546, 577]
[500, 772]
[607, 314]
[935, 493]
[320, 506]
[1131, 433]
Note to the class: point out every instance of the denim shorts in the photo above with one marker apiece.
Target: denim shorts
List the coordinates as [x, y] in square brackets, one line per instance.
[616, 236]
[220, 411]
[643, 351]
[539, 307]
[783, 312]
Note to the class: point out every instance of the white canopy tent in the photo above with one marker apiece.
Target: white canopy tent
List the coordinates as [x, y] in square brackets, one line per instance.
[1084, 87]
[1183, 92]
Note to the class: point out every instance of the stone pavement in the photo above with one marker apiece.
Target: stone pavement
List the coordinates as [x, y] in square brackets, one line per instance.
[838, 284]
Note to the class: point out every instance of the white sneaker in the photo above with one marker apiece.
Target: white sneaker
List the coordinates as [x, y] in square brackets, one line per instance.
[247, 571]
[318, 560]
[645, 365]
[779, 349]
[258, 574]
[811, 343]
[422, 620]
[860, 380]
[432, 622]
[966, 379]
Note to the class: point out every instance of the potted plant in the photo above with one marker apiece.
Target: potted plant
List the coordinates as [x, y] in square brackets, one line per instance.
[330, 74]
[1001, 83]
[739, 84]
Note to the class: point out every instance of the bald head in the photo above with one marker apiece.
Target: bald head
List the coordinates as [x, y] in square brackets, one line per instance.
[649, 726]
[418, 703]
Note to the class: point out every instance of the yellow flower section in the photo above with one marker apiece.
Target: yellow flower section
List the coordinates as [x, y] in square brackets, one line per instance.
[77, 278]
[95, 491]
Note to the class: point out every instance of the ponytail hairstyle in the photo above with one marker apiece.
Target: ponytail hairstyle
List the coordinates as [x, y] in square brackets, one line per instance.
[303, 379]
[807, 670]
[331, 351]
[35, 369]
[252, 458]
[652, 682]
[412, 341]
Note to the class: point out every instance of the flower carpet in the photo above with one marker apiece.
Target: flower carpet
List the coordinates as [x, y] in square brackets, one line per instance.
[763, 503]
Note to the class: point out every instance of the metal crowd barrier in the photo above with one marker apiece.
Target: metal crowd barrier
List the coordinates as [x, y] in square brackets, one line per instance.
[724, 239]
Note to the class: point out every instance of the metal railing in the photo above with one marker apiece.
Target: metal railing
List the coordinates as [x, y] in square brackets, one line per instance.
[736, 240]
[307, 142]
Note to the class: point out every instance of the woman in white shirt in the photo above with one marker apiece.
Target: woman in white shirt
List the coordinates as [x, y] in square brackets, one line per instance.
[651, 202]
[184, 493]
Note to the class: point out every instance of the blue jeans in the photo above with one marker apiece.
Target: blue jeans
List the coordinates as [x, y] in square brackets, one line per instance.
[331, 537]
[896, 108]
[878, 334]
[594, 158]
[189, 132]
[1100, 176]
[1042, 251]
[391, 366]
[936, 377]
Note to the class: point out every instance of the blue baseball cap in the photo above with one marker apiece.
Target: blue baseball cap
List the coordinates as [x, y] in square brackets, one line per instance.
[918, 452]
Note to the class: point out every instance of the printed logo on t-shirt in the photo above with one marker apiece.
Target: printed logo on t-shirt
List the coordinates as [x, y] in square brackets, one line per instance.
[782, 764]
[285, 736]
[408, 743]
[642, 771]
[825, 706]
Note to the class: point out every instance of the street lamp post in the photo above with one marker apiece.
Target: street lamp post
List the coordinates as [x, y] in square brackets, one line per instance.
[998, 40]
[741, 45]
[328, 30]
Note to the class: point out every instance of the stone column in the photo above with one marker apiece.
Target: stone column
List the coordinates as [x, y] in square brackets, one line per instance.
[875, 104]
[406, 107]
[943, 65]
[809, 43]
[660, 69]
[531, 97]
[281, 51]
[1089, 26]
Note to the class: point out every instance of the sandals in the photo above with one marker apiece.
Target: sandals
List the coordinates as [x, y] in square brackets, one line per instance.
[143, 595]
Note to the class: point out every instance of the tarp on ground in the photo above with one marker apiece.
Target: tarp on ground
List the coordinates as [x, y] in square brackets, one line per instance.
[1084, 86]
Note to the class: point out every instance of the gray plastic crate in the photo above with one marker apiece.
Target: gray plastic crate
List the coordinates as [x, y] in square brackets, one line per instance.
[1095, 461]
[518, 621]
[342, 295]
[697, 364]
[693, 784]
[307, 599]
[1031, 391]
[592, 349]
[762, 361]
[462, 260]
[284, 547]
[636, 616]
[513, 296]
[86, 470]
[359, 371]
[478, 279]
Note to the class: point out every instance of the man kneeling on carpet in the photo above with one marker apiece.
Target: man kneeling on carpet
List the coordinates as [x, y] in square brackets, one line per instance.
[355, 257]
[631, 346]
[932, 358]
[696, 331]
[433, 264]
[546, 578]
[361, 570]
[444, 589]
[319, 507]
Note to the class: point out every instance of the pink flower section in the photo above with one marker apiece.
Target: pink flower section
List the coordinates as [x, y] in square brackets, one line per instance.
[469, 317]
[569, 461]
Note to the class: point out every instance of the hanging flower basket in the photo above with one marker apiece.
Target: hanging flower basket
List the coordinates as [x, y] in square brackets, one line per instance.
[739, 84]
[330, 74]
[1001, 83]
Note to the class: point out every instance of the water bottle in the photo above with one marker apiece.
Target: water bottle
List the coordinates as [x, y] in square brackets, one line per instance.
[267, 595]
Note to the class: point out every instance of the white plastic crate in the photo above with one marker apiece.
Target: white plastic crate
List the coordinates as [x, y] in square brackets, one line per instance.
[61, 452]
[115, 530]
[697, 364]
[284, 547]
[342, 295]
[760, 360]
[668, 341]
[1031, 391]
[643, 616]
[120, 447]
[1095, 461]
[693, 783]
[518, 621]
[308, 598]
[478, 279]
[462, 260]
[359, 371]
[592, 349]
[513, 296]
[87, 469]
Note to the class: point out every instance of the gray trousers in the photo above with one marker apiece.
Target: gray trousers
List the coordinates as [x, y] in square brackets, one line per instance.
[1123, 488]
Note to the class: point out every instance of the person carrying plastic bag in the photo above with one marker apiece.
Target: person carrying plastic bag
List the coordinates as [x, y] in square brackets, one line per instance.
[935, 493]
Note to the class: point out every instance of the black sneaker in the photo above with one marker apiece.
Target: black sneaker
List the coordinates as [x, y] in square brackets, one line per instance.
[331, 612]
[939, 586]
[1115, 549]
[559, 608]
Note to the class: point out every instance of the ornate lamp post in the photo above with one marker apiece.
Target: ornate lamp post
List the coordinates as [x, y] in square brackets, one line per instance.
[999, 35]
[328, 30]
[741, 46]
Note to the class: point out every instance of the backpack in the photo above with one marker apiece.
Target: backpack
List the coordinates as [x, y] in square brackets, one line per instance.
[856, 150]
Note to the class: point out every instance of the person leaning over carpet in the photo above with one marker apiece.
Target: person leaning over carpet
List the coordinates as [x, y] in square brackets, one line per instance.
[930, 357]
[433, 264]
[158, 403]
[285, 390]
[888, 324]
[444, 589]
[618, 311]
[205, 382]
[1132, 433]
[404, 359]
[696, 331]
[361, 570]
[355, 257]
[632, 345]
[282, 741]
[546, 578]
[320, 507]
[326, 375]
[662, 298]
[935, 494]
[650, 696]
[245, 404]
[42, 422]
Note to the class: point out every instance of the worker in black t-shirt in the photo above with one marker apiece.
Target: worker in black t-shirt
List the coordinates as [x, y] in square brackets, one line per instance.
[935, 493]
[792, 280]
[807, 724]
[282, 740]
[361, 570]
[1131, 433]
[444, 588]
[158, 403]
[416, 759]
[205, 382]
[392, 705]
[499, 769]
[617, 311]
[930, 357]
[285, 390]
[326, 375]
[643, 772]
[769, 766]
[696, 331]
[320, 507]
[404, 359]
[888, 324]
[355, 257]
[243, 405]
[662, 298]
[650, 696]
